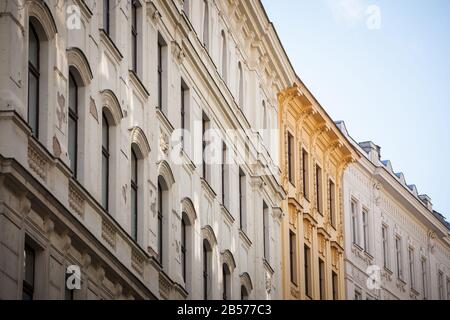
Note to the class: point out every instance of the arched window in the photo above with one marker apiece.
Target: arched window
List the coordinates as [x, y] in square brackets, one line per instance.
[188, 218]
[240, 85]
[244, 293]
[134, 194]
[183, 246]
[226, 282]
[73, 123]
[160, 221]
[224, 57]
[206, 269]
[105, 162]
[33, 80]
[205, 24]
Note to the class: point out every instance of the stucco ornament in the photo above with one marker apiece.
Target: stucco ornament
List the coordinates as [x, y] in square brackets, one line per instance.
[376, 193]
[431, 241]
[164, 143]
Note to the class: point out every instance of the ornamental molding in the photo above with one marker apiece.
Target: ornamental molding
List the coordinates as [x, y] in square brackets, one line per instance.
[76, 199]
[139, 139]
[109, 233]
[78, 60]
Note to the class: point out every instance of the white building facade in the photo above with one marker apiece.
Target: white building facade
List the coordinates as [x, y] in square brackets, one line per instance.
[396, 246]
[94, 169]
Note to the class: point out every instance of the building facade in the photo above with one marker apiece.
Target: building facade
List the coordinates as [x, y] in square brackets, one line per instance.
[112, 117]
[313, 156]
[396, 246]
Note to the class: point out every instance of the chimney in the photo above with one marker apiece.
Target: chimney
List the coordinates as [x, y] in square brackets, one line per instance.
[427, 201]
[371, 149]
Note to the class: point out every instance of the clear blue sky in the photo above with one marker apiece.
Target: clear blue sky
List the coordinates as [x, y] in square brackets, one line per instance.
[390, 85]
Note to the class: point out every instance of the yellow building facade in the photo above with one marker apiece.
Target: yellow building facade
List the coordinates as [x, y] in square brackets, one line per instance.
[313, 156]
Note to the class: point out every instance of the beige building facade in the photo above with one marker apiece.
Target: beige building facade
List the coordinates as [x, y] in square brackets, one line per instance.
[313, 155]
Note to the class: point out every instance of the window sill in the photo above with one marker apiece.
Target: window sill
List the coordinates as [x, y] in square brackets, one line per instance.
[136, 81]
[208, 189]
[267, 266]
[245, 238]
[226, 213]
[111, 45]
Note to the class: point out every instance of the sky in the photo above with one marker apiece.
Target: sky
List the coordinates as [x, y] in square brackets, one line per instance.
[382, 66]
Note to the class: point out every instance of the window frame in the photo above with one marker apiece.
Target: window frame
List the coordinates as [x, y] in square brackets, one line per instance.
[366, 230]
[35, 72]
[134, 36]
[305, 173]
[27, 287]
[73, 116]
[107, 157]
[293, 257]
[160, 222]
[399, 256]
[106, 13]
[291, 157]
[134, 183]
[319, 189]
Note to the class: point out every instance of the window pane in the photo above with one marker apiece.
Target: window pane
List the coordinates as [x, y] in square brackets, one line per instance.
[134, 213]
[33, 102]
[105, 170]
[29, 265]
[33, 47]
[105, 133]
[72, 144]
[72, 94]
[134, 177]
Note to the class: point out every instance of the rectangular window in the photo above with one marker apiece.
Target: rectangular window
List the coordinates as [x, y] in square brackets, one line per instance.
[33, 80]
[205, 143]
[441, 285]
[412, 274]
[365, 218]
[242, 201]
[291, 170]
[322, 280]
[332, 200]
[205, 271]
[160, 222]
[73, 124]
[29, 273]
[423, 264]
[319, 189]
[266, 231]
[134, 195]
[184, 98]
[384, 234]
[399, 257]
[105, 162]
[134, 35]
[293, 256]
[334, 278]
[355, 233]
[305, 173]
[183, 248]
[308, 278]
[225, 177]
[106, 16]
[162, 48]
